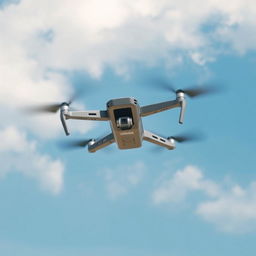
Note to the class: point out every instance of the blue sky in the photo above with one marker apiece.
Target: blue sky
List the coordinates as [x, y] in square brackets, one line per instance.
[199, 199]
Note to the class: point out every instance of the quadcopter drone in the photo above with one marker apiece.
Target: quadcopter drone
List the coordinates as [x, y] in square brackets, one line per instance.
[125, 117]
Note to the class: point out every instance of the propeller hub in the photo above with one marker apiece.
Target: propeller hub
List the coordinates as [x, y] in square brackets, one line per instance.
[91, 142]
[180, 95]
[64, 107]
[171, 140]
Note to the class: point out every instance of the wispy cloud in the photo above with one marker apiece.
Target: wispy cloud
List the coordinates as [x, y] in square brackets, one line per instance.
[116, 32]
[232, 211]
[18, 154]
[229, 208]
[176, 188]
[119, 181]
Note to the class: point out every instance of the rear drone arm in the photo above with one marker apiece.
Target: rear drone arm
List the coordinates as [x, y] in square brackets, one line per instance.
[162, 106]
[93, 146]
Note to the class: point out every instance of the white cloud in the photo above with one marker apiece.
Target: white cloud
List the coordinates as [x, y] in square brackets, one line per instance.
[20, 155]
[181, 184]
[229, 208]
[232, 211]
[121, 180]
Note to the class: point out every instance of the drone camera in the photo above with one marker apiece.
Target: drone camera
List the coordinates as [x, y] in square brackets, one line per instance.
[124, 123]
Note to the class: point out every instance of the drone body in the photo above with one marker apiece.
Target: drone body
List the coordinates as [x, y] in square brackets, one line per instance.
[125, 117]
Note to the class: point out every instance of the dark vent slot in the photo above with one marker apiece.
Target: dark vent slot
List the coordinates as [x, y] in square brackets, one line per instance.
[162, 140]
[92, 114]
[154, 137]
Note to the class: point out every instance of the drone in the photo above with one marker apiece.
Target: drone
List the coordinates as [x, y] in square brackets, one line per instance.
[125, 118]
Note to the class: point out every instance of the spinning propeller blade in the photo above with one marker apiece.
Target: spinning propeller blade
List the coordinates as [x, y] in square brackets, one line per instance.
[51, 108]
[73, 144]
[192, 92]
[76, 95]
[54, 107]
[188, 137]
[196, 91]
[163, 84]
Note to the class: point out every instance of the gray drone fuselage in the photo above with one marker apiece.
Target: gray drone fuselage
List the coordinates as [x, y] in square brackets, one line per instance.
[125, 117]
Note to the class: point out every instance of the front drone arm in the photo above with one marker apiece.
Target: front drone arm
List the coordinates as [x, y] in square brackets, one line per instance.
[93, 146]
[162, 106]
[97, 115]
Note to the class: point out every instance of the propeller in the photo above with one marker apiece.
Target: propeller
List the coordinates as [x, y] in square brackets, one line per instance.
[188, 137]
[193, 91]
[196, 91]
[73, 144]
[47, 108]
[54, 107]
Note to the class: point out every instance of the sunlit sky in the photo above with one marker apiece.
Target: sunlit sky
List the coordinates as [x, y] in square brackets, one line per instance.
[199, 199]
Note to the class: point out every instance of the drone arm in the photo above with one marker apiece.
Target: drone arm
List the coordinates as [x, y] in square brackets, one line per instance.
[182, 111]
[153, 138]
[101, 143]
[159, 107]
[97, 115]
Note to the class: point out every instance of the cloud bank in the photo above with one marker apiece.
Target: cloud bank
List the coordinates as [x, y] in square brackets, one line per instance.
[18, 154]
[181, 184]
[229, 208]
[232, 211]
